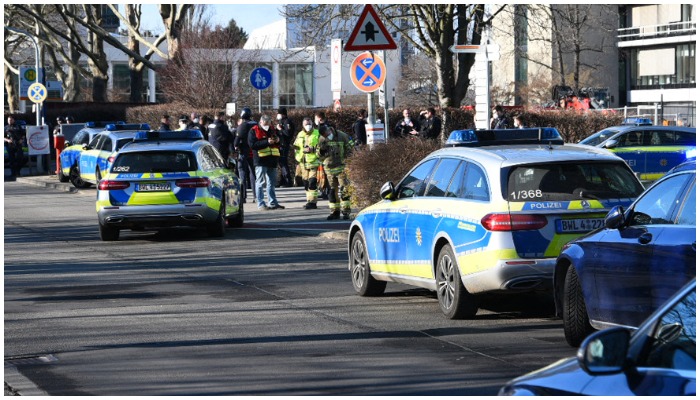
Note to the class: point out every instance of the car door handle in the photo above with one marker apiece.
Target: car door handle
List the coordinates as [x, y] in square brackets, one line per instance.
[403, 210]
[437, 213]
[645, 238]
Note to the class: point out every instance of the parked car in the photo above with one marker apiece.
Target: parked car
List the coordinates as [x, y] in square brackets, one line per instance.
[658, 359]
[98, 155]
[619, 274]
[649, 150]
[168, 179]
[488, 215]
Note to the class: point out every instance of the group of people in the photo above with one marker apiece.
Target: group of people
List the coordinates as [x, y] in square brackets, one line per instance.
[15, 140]
[428, 125]
[500, 120]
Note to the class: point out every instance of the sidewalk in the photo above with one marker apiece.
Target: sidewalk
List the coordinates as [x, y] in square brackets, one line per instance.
[293, 218]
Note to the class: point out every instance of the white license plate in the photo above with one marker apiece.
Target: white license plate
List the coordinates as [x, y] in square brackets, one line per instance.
[153, 187]
[578, 225]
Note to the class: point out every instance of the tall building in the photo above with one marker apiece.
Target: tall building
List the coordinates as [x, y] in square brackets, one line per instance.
[657, 49]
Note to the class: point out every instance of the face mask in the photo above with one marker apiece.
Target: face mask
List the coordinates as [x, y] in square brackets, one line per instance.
[330, 137]
[265, 128]
[308, 127]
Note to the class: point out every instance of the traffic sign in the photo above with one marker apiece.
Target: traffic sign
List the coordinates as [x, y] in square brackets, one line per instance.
[37, 93]
[368, 72]
[369, 33]
[27, 76]
[466, 48]
[261, 78]
[37, 140]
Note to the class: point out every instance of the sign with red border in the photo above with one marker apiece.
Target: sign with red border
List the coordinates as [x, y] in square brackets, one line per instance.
[368, 72]
[370, 33]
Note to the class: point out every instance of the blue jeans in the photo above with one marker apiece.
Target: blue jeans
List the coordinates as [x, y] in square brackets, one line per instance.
[265, 179]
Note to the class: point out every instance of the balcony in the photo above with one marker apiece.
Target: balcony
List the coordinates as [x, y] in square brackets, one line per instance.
[656, 31]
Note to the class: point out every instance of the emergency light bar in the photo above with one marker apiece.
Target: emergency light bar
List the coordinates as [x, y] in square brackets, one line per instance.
[168, 135]
[127, 127]
[637, 121]
[498, 137]
[102, 124]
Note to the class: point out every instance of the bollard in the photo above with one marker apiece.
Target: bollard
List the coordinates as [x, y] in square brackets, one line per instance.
[59, 142]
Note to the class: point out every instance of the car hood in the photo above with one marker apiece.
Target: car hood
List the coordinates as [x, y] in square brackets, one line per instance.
[562, 378]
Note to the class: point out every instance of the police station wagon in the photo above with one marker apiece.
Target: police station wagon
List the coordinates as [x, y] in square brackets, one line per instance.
[488, 215]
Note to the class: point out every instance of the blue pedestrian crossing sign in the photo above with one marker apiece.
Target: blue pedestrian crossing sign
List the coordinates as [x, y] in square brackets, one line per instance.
[368, 72]
[261, 78]
[37, 93]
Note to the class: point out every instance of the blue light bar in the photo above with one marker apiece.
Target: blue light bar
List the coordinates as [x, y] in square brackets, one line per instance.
[168, 135]
[121, 126]
[494, 137]
[638, 121]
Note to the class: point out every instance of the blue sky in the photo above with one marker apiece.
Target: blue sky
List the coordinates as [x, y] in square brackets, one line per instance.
[247, 16]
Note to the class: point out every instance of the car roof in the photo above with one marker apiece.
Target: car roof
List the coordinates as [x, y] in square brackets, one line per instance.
[529, 154]
[165, 145]
[121, 134]
[625, 128]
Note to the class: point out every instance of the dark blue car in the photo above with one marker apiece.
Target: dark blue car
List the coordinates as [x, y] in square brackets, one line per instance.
[619, 274]
[657, 360]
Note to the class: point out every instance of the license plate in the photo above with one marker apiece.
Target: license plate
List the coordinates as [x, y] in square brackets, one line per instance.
[578, 225]
[153, 187]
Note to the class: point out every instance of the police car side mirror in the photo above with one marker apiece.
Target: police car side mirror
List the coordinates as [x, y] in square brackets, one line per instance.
[387, 191]
[615, 218]
[85, 147]
[610, 144]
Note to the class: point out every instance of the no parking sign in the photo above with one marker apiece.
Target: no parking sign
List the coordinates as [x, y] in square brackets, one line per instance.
[368, 72]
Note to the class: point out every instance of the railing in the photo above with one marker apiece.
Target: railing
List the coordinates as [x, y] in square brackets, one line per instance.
[656, 31]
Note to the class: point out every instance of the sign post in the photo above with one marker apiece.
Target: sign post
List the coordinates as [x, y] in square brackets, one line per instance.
[336, 67]
[261, 79]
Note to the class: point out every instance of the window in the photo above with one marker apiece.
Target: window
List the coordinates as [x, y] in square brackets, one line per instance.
[414, 184]
[209, 159]
[155, 161]
[95, 141]
[687, 214]
[475, 187]
[648, 72]
[106, 144]
[122, 142]
[455, 188]
[296, 85]
[656, 206]
[437, 187]
[82, 137]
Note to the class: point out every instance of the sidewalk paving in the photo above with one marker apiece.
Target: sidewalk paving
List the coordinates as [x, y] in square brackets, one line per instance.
[293, 218]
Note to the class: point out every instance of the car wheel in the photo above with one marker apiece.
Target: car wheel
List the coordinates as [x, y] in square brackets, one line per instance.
[61, 176]
[218, 227]
[362, 280]
[237, 220]
[455, 302]
[75, 178]
[576, 323]
[108, 234]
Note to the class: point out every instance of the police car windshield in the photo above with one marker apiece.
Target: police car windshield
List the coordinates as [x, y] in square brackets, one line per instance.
[574, 181]
[600, 137]
[155, 161]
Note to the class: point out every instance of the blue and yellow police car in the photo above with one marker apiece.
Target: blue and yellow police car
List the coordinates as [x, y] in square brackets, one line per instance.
[649, 150]
[168, 179]
[98, 155]
[488, 215]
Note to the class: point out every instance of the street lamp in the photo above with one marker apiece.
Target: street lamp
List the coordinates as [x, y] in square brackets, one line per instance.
[36, 48]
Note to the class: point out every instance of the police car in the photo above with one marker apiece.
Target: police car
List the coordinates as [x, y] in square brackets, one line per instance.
[650, 150]
[168, 179]
[70, 156]
[98, 155]
[490, 214]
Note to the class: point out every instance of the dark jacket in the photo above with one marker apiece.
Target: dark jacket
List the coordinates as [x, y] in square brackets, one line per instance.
[199, 127]
[220, 137]
[402, 129]
[286, 133]
[164, 127]
[501, 123]
[241, 140]
[431, 127]
[258, 142]
[359, 131]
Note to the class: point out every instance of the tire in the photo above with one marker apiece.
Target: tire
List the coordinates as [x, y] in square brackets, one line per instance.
[75, 178]
[576, 323]
[218, 227]
[362, 280]
[61, 177]
[237, 220]
[108, 234]
[455, 302]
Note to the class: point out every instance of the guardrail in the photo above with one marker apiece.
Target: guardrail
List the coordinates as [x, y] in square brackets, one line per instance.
[655, 31]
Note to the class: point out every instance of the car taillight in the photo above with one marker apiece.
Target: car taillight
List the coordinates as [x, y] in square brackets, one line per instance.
[112, 185]
[193, 182]
[513, 222]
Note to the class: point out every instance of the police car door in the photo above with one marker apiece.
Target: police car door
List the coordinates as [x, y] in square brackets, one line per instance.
[88, 158]
[390, 224]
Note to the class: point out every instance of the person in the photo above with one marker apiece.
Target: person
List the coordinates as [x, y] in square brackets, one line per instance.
[305, 146]
[519, 121]
[404, 127]
[164, 123]
[285, 127]
[358, 128]
[333, 149]
[246, 169]
[195, 124]
[70, 120]
[264, 141]
[430, 127]
[14, 141]
[499, 120]
[57, 127]
[182, 123]
[219, 135]
[323, 185]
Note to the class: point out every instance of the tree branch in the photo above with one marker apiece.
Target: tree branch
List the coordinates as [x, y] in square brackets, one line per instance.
[153, 48]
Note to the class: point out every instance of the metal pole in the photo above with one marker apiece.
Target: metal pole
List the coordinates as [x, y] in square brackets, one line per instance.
[386, 111]
[260, 101]
[36, 49]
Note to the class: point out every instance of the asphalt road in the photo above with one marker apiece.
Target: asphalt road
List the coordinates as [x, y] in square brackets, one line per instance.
[267, 310]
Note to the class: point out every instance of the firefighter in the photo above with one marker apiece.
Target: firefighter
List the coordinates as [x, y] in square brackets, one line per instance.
[305, 147]
[334, 147]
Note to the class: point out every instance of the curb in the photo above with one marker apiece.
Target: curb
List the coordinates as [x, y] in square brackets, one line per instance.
[57, 185]
[334, 235]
